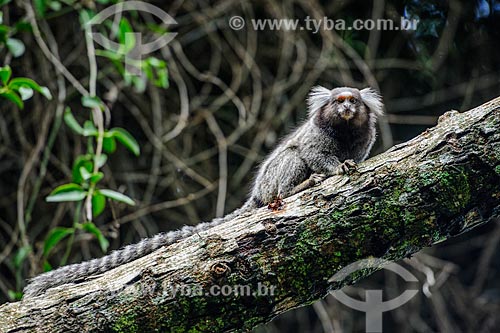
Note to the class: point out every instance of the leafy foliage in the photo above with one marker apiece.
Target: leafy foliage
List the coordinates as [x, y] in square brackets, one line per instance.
[85, 190]
[19, 89]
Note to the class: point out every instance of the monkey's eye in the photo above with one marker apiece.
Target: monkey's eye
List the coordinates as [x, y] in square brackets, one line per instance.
[353, 100]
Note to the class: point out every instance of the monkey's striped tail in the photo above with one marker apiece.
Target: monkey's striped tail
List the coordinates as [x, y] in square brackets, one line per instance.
[78, 272]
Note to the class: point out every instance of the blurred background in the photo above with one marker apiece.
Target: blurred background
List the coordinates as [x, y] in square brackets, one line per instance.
[211, 105]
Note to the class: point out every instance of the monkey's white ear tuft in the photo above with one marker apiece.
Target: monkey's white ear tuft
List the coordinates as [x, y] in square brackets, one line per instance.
[373, 101]
[318, 97]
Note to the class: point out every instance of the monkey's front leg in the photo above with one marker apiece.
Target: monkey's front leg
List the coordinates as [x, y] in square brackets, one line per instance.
[345, 168]
[322, 166]
[320, 162]
[331, 166]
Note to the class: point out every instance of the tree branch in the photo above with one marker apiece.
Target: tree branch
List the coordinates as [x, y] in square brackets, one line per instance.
[442, 183]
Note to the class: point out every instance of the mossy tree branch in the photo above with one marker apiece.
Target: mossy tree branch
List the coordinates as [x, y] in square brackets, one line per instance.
[442, 183]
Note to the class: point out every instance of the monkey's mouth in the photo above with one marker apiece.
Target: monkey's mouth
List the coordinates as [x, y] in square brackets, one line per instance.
[346, 114]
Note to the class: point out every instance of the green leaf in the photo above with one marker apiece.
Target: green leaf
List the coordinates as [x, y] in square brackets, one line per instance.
[117, 196]
[155, 62]
[56, 235]
[20, 255]
[45, 92]
[156, 71]
[26, 93]
[16, 47]
[148, 70]
[47, 267]
[72, 123]
[12, 96]
[14, 295]
[40, 7]
[156, 28]
[101, 160]
[4, 32]
[125, 35]
[139, 82]
[96, 177]
[108, 54]
[55, 6]
[126, 139]
[93, 229]
[66, 188]
[89, 129]
[98, 204]
[162, 80]
[109, 144]
[23, 81]
[67, 196]
[82, 160]
[5, 73]
[85, 16]
[92, 102]
[85, 174]
[23, 26]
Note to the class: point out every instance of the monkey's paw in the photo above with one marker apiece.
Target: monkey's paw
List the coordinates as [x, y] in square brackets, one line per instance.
[347, 167]
[316, 178]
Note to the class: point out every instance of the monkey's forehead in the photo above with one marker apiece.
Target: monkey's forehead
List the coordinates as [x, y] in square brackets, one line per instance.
[345, 92]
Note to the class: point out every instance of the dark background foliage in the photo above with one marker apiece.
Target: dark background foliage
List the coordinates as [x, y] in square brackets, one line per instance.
[231, 96]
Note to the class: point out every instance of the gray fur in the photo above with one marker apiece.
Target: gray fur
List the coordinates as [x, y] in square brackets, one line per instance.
[321, 143]
[335, 131]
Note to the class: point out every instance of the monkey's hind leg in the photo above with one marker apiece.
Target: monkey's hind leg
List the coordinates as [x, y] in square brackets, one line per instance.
[313, 180]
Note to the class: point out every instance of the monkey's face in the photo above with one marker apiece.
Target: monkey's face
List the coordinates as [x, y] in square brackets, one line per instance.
[347, 105]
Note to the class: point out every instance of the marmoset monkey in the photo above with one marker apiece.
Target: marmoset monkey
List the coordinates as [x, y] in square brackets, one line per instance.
[339, 132]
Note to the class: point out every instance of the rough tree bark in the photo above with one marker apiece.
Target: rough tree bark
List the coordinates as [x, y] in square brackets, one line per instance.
[442, 183]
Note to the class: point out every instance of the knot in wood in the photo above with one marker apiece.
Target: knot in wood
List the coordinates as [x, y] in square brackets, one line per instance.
[220, 269]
